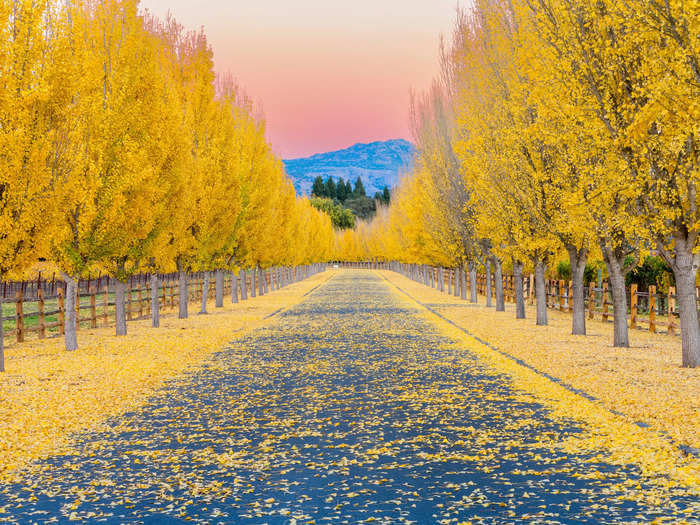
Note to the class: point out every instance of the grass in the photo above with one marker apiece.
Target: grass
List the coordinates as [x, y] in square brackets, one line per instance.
[31, 312]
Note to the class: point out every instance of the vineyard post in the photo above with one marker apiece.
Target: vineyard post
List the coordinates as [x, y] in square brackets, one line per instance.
[652, 309]
[563, 296]
[128, 302]
[77, 305]
[591, 300]
[19, 307]
[105, 304]
[93, 307]
[140, 300]
[671, 310]
[61, 312]
[633, 306]
[605, 301]
[42, 317]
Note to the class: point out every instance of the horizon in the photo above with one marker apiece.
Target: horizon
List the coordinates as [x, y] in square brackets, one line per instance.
[361, 143]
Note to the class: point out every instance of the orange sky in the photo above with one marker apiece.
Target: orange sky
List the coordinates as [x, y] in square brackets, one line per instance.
[327, 73]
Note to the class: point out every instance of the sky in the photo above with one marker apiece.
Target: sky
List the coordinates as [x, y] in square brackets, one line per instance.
[326, 73]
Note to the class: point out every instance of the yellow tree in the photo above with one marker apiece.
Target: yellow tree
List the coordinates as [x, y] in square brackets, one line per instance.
[113, 203]
[502, 158]
[635, 67]
[190, 225]
[34, 99]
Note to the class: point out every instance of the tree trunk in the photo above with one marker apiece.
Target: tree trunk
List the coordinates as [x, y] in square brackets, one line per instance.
[205, 294]
[244, 285]
[266, 286]
[2, 342]
[155, 303]
[577, 260]
[473, 292]
[120, 306]
[182, 299]
[615, 263]
[498, 278]
[71, 338]
[458, 281]
[688, 310]
[234, 287]
[541, 292]
[441, 276]
[487, 265]
[219, 276]
[519, 293]
[463, 291]
[261, 281]
[253, 292]
[685, 267]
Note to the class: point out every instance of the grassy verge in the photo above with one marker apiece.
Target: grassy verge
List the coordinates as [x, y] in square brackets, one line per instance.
[48, 393]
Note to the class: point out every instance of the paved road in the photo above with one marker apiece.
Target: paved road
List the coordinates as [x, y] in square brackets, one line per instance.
[348, 408]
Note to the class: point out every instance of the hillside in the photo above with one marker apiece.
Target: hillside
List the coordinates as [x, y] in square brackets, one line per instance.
[379, 164]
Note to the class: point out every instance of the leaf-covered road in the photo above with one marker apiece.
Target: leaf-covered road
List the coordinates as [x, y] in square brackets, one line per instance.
[348, 408]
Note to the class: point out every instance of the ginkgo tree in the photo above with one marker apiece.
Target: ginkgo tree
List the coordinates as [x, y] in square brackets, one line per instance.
[122, 153]
[34, 73]
[576, 128]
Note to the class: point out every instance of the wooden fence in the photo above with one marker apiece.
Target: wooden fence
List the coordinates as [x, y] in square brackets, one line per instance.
[37, 307]
[650, 309]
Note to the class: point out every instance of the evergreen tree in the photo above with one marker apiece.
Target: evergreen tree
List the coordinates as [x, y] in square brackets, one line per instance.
[359, 187]
[318, 188]
[341, 191]
[348, 188]
[386, 195]
[330, 188]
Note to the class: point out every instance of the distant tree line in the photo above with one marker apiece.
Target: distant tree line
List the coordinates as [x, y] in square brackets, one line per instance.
[340, 195]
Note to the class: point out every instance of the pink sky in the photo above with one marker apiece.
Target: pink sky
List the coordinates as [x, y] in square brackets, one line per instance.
[327, 73]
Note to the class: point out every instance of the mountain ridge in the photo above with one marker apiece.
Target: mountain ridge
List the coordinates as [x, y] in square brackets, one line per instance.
[378, 164]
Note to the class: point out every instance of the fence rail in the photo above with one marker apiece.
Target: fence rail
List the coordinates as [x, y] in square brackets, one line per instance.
[650, 310]
[38, 307]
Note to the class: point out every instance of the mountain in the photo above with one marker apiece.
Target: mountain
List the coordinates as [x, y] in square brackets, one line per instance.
[379, 164]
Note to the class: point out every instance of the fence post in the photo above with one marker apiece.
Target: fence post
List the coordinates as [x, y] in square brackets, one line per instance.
[560, 295]
[93, 308]
[140, 301]
[61, 312]
[105, 304]
[671, 310]
[605, 301]
[128, 302]
[633, 306]
[591, 300]
[652, 309]
[19, 307]
[42, 319]
[77, 306]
